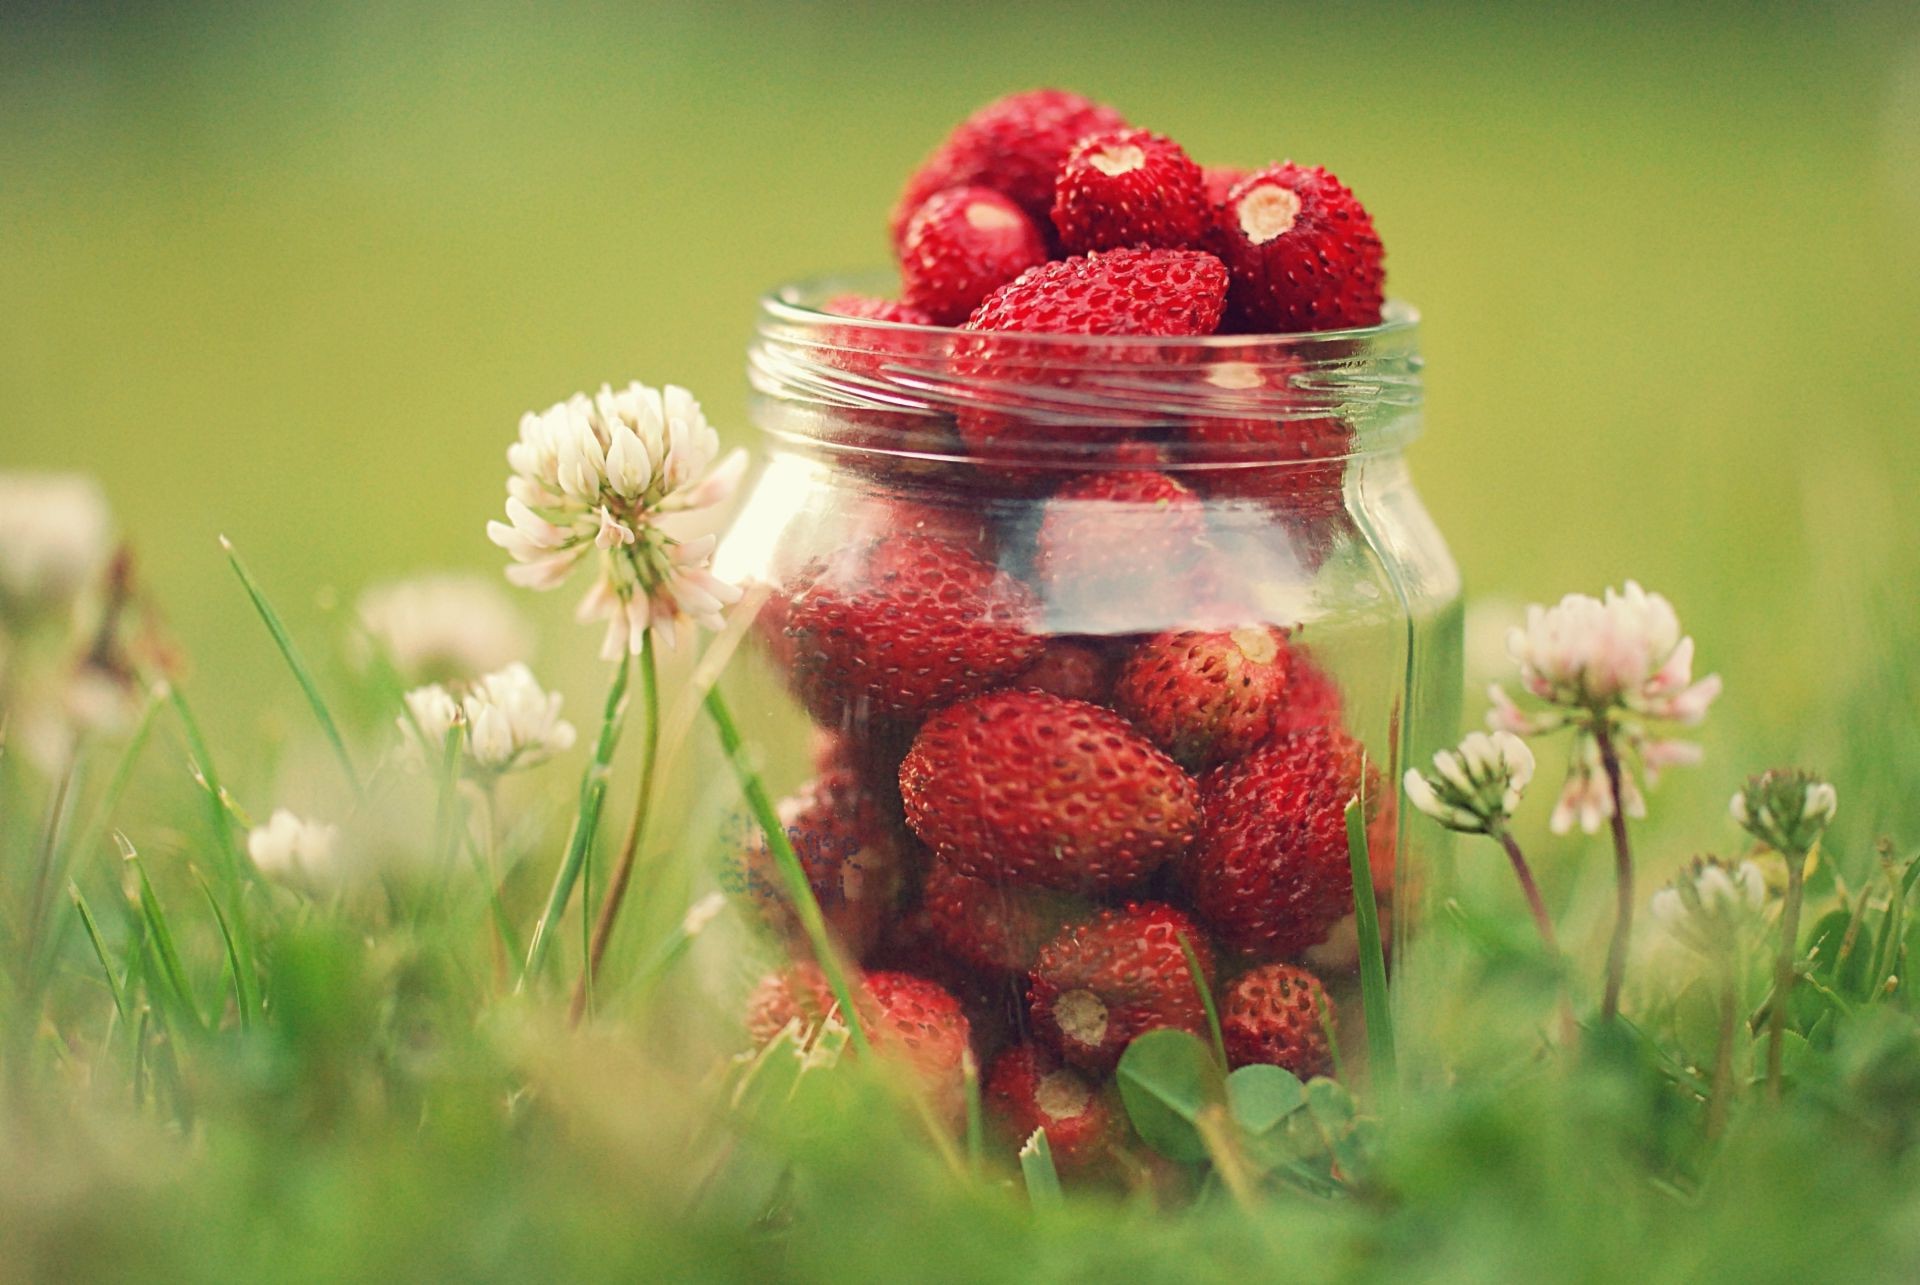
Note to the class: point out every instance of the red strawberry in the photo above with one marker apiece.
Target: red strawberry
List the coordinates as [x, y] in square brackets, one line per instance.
[1280, 451]
[902, 623]
[1027, 1088]
[1076, 670]
[1013, 145]
[1103, 533]
[962, 245]
[1313, 698]
[847, 844]
[1024, 388]
[1044, 792]
[878, 514]
[1218, 180]
[992, 926]
[904, 1016]
[1125, 187]
[1269, 873]
[1113, 977]
[866, 307]
[1302, 250]
[1206, 697]
[1272, 1014]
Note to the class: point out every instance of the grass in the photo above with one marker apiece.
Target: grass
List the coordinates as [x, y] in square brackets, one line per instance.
[293, 275]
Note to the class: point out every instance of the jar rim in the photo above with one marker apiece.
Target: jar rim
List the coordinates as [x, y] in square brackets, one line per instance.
[826, 380]
[789, 303]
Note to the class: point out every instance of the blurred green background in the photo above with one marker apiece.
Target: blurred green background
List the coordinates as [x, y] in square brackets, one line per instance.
[292, 272]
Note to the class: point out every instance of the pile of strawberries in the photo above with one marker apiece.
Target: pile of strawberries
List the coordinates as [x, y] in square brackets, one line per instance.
[1031, 843]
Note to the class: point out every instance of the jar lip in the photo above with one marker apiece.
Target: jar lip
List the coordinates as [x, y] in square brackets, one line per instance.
[789, 304]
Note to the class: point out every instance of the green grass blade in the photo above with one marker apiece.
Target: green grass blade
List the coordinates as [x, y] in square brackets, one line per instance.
[1375, 1000]
[976, 1115]
[201, 761]
[1199, 977]
[243, 989]
[1036, 1166]
[302, 675]
[160, 939]
[586, 822]
[806, 906]
[100, 952]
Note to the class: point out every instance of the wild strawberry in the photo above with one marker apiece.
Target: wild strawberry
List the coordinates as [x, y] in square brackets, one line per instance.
[1106, 980]
[904, 1016]
[1206, 696]
[877, 514]
[850, 850]
[1273, 1014]
[962, 245]
[1313, 698]
[902, 623]
[1269, 873]
[1102, 531]
[1026, 385]
[989, 925]
[1302, 251]
[1285, 454]
[1027, 1088]
[1013, 145]
[1218, 180]
[1043, 792]
[1080, 671]
[866, 307]
[1124, 187]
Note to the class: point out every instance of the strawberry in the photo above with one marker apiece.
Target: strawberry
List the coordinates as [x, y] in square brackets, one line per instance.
[880, 513]
[1302, 251]
[866, 307]
[1313, 698]
[1218, 180]
[1077, 670]
[1273, 1014]
[1027, 1088]
[1124, 187]
[902, 623]
[1282, 453]
[1106, 980]
[962, 245]
[847, 844]
[1269, 873]
[1014, 145]
[1044, 792]
[1024, 387]
[1206, 696]
[1102, 531]
[904, 1016]
[992, 926]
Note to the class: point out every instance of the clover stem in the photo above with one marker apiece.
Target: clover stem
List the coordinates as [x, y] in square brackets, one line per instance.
[1783, 969]
[1622, 869]
[1541, 919]
[636, 831]
[1722, 1086]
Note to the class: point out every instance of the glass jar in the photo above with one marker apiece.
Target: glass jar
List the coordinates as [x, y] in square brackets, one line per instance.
[1071, 649]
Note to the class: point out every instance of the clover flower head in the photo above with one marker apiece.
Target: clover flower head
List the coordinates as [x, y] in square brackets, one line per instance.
[1617, 664]
[56, 533]
[439, 627]
[600, 478]
[1786, 809]
[505, 722]
[1711, 905]
[1475, 787]
[295, 851]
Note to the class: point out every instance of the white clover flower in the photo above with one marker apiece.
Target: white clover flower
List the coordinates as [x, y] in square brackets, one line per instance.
[601, 476]
[439, 627]
[1475, 787]
[1788, 810]
[1618, 663]
[293, 850]
[507, 722]
[1712, 905]
[56, 533]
